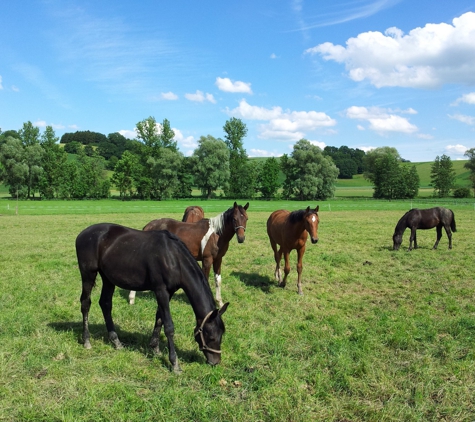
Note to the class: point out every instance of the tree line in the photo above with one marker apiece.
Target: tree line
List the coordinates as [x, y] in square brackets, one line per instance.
[34, 164]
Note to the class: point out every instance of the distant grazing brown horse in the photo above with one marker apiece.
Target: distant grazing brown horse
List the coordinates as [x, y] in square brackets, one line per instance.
[289, 230]
[193, 214]
[425, 219]
[207, 239]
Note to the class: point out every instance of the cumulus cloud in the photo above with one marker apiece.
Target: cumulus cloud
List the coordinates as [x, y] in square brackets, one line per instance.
[426, 57]
[381, 120]
[170, 96]
[187, 143]
[456, 149]
[200, 97]
[129, 134]
[469, 120]
[43, 124]
[283, 125]
[227, 85]
[253, 152]
[466, 98]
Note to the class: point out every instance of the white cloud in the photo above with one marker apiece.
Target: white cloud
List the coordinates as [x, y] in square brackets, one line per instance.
[200, 97]
[14, 88]
[43, 124]
[382, 120]
[318, 144]
[283, 125]
[273, 56]
[427, 57]
[469, 120]
[169, 96]
[188, 143]
[227, 85]
[253, 152]
[425, 136]
[40, 123]
[466, 98]
[129, 134]
[1, 86]
[367, 149]
[456, 149]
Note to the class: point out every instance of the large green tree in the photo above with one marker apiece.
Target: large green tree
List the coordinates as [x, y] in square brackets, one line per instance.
[470, 165]
[241, 184]
[126, 174]
[309, 175]
[391, 176]
[442, 176]
[268, 178]
[211, 165]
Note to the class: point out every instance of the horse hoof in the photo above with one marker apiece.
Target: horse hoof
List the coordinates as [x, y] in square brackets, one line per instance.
[87, 345]
[281, 284]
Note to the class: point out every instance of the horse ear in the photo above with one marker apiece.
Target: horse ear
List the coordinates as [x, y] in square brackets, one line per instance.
[308, 209]
[318, 207]
[246, 206]
[223, 308]
[235, 204]
[217, 312]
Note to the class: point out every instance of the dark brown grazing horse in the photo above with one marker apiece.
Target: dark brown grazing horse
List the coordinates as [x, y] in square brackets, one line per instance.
[425, 219]
[156, 261]
[193, 214]
[207, 239]
[289, 230]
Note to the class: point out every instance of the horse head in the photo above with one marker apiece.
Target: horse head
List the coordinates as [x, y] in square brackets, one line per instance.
[240, 221]
[311, 221]
[397, 240]
[208, 335]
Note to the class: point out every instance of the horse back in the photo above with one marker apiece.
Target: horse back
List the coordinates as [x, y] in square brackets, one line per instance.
[190, 234]
[282, 232]
[133, 259]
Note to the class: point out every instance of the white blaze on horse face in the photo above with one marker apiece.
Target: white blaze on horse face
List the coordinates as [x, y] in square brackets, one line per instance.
[313, 218]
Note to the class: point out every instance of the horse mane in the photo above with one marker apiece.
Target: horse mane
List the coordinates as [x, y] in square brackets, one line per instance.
[297, 216]
[203, 283]
[401, 224]
[219, 222]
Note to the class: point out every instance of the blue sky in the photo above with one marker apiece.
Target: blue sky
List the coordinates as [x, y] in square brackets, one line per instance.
[364, 73]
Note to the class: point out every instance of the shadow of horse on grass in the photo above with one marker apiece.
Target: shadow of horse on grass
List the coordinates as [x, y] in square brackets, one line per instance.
[254, 280]
[135, 341]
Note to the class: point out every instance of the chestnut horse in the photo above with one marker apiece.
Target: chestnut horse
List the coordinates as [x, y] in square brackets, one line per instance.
[207, 239]
[425, 219]
[289, 230]
[193, 214]
[157, 261]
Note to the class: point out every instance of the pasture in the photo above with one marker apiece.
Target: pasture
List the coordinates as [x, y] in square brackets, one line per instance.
[379, 335]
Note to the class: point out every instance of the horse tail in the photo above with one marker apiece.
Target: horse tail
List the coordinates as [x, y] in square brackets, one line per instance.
[452, 223]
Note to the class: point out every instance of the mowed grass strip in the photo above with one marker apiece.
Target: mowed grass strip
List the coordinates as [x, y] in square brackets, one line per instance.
[377, 335]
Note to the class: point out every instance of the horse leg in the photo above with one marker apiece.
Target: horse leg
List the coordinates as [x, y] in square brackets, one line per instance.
[105, 302]
[155, 340]
[132, 297]
[277, 258]
[87, 285]
[217, 279]
[449, 235]
[412, 239]
[300, 253]
[286, 269]
[439, 236]
[164, 315]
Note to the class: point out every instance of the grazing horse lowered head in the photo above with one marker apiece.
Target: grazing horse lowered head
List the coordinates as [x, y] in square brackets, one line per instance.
[425, 219]
[156, 261]
[290, 230]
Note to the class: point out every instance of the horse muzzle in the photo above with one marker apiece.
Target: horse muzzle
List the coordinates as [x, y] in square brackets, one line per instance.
[314, 240]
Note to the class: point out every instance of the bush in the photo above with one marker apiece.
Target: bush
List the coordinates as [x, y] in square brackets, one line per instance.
[462, 193]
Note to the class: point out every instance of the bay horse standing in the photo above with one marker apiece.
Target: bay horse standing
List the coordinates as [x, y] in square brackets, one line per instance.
[414, 219]
[290, 230]
[193, 214]
[156, 261]
[207, 239]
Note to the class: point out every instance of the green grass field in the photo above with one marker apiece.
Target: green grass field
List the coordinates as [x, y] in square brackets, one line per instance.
[379, 335]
